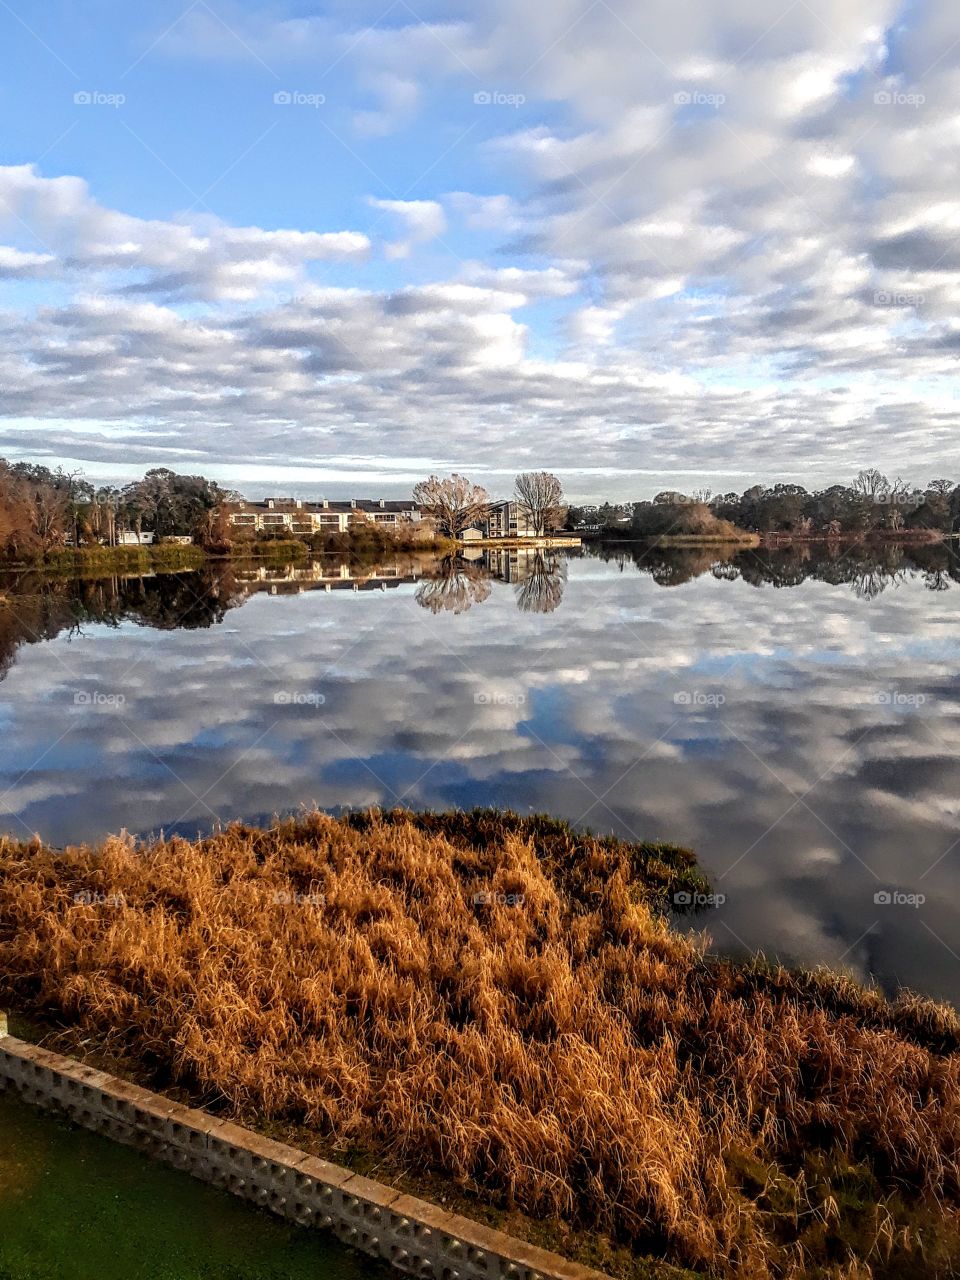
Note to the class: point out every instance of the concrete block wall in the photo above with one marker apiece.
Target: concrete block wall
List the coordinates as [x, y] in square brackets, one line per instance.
[413, 1235]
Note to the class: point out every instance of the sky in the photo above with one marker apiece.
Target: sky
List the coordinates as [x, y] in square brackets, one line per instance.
[332, 249]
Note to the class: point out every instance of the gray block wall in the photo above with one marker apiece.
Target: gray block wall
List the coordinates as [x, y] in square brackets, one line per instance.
[410, 1234]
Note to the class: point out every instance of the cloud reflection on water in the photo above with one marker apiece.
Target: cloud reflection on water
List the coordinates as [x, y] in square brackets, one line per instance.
[794, 718]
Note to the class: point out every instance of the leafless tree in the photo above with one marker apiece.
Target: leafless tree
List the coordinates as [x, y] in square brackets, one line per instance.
[540, 497]
[871, 483]
[453, 502]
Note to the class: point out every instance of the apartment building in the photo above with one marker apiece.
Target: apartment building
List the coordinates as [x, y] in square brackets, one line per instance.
[503, 520]
[297, 516]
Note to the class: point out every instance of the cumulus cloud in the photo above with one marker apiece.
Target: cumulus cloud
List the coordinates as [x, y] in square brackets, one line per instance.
[421, 220]
[201, 259]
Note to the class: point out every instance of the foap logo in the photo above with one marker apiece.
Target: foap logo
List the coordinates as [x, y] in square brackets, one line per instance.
[297, 98]
[499, 698]
[495, 98]
[293, 898]
[99, 700]
[696, 98]
[895, 698]
[297, 698]
[490, 899]
[95, 98]
[93, 898]
[897, 298]
[897, 98]
[687, 898]
[895, 898]
[898, 498]
[696, 698]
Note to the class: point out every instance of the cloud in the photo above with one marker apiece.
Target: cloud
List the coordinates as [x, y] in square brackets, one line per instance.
[17, 265]
[422, 221]
[200, 258]
[399, 98]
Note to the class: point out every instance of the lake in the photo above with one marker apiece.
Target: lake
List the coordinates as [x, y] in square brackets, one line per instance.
[792, 715]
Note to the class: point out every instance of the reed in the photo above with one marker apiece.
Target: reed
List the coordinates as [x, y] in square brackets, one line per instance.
[503, 1001]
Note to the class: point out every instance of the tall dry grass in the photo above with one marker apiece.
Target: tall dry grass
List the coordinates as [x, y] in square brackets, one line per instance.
[556, 1045]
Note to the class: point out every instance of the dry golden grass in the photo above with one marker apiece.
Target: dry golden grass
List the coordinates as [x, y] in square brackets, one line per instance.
[558, 1047]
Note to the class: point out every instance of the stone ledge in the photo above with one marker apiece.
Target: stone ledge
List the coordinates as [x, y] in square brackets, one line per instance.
[413, 1235]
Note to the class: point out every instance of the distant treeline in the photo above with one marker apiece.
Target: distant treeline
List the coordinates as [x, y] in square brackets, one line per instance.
[43, 510]
[872, 504]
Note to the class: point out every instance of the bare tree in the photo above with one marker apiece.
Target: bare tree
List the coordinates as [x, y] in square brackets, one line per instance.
[871, 483]
[540, 497]
[453, 502]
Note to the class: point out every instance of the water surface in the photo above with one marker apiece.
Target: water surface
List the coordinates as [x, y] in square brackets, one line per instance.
[794, 717]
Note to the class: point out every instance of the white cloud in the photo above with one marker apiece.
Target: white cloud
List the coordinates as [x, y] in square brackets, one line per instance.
[421, 220]
[200, 258]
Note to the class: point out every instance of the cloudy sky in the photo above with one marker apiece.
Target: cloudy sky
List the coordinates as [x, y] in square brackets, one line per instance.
[332, 248]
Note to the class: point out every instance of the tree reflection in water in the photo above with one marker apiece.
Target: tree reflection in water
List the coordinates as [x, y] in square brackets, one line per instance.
[868, 569]
[455, 586]
[36, 606]
[542, 589]
[458, 583]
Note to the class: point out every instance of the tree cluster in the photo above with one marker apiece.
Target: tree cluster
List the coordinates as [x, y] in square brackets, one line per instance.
[42, 510]
[870, 504]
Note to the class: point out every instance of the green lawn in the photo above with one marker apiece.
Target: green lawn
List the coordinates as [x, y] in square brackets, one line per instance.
[74, 1206]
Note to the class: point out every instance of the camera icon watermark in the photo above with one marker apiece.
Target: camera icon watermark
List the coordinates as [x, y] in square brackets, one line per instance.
[99, 700]
[298, 98]
[95, 98]
[495, 98]
[499, 698]
[895, 898]
[688, 898]
[895, 698]
[696, 98]
[898, 498]
[93, 898]
[298, 698]
[697, 698]
[897, 98]
[293, 898]
[897, 298]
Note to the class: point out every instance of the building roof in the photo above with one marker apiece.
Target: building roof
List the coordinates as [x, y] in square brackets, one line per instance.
[358, 504]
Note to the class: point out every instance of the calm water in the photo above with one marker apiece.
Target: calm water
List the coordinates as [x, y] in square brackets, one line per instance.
[74, 1206]
[795, 719]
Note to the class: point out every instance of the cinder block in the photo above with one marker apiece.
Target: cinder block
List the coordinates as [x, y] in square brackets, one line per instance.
[416, 1237]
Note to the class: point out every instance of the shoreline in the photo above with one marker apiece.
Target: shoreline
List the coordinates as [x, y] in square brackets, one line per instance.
[174, 558]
